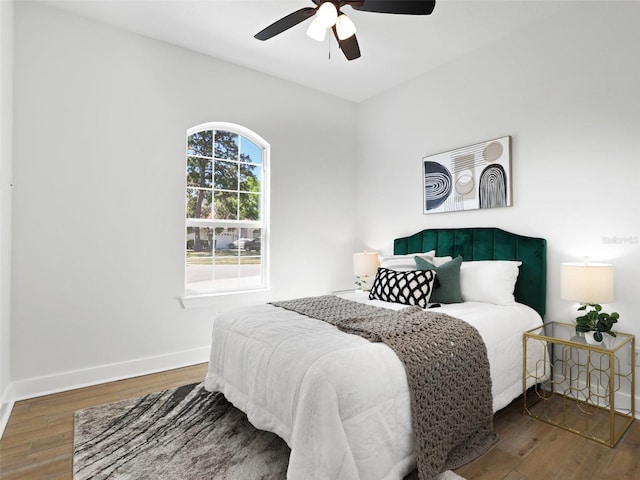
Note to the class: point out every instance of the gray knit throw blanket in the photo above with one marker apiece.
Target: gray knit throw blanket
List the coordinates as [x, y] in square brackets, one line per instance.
[447, 369]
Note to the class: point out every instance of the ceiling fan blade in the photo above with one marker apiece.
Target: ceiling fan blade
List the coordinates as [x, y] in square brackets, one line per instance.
[285, 23]
[349, 46]
[407, 7]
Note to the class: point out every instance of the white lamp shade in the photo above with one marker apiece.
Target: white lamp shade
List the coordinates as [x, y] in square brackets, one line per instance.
[316, 30]
[586, 282]
[365, 264]
[345, 27]
[327, 14]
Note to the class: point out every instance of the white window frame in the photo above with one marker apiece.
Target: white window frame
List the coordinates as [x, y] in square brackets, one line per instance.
[239, 286]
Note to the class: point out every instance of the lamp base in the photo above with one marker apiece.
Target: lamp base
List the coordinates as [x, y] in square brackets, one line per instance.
[574, 313]
[364, 284]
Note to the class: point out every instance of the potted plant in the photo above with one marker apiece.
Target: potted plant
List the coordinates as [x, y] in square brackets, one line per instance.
[595, 322]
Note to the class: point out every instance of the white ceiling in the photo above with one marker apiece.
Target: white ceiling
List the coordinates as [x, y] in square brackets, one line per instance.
[395, 48]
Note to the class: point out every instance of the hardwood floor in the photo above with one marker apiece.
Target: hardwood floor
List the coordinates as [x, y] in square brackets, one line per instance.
[529, 449]
[38, 441]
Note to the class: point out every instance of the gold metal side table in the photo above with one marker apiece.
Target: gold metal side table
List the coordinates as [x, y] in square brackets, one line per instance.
[585, 389]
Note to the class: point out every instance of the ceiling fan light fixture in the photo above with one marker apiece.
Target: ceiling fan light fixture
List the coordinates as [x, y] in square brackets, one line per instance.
[345, 27]
[317, 31]
[327, 14]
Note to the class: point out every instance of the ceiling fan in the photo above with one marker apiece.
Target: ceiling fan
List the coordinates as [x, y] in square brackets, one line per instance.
[328, 14]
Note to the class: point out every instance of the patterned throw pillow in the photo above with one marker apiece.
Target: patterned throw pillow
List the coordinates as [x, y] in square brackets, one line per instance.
[409, 288]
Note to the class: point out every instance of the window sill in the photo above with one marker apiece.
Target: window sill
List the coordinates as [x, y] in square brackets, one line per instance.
[224, 299]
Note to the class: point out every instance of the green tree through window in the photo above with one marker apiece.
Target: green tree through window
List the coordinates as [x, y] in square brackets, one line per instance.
[226, 209]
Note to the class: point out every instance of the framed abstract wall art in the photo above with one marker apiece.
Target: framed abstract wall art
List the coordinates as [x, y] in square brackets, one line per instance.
[468, 178]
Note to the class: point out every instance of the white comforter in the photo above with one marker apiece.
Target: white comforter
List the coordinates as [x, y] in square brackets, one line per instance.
[340, 402]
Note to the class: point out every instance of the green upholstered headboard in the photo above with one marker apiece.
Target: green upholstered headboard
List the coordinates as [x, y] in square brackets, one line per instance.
[488, 243]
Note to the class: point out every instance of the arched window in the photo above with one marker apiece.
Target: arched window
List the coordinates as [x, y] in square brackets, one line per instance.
[227, 212]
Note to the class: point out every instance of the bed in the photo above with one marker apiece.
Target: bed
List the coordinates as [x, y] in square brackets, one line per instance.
[341, 402]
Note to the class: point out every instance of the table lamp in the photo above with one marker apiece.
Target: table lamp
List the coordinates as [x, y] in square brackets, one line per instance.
[365, 266]
[586, 283]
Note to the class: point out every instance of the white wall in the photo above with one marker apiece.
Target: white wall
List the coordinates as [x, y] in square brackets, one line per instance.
[100, 123]
[100, 116]
[567, 92]
[6, 113]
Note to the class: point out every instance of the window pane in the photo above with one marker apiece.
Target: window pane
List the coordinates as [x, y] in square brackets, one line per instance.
[201, 143]
[250, 178]
[198, 203]
[199, 243]
[198, 172]
[226, 175]
[226, 145]
[249, 151]
[253, 247]
[199, 275]
[250, 270]
[247, 240]
[226, 205]
[224, 237]
[249, 206]
[199, 267]
[226, 267]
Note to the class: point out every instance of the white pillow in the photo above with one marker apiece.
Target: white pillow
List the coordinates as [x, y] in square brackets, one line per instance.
[438, 261]
[489, 281]
[404, 263]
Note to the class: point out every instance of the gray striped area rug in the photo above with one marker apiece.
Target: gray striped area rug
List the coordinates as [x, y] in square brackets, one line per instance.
[184, 433]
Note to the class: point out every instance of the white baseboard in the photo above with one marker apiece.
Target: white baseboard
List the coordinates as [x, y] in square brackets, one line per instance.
[622, 399]
[35, 387]
[5, 413]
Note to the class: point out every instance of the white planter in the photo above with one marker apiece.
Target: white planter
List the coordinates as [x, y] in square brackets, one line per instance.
[588, 336]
